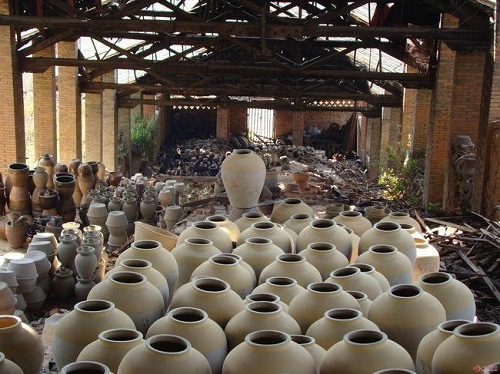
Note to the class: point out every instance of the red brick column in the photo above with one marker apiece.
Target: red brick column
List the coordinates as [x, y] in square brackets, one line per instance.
[69, 130]
[93, 126]
[373, 138]
[124, 123]
[390, 134]
[421, 118]
[109, 125]
[44, 108]
[408, 114]
[13, 147]
[223, 124]
[298, 128]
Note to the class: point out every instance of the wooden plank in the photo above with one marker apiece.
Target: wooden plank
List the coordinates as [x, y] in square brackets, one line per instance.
[422, 223]
[478, 270]
[451, 224]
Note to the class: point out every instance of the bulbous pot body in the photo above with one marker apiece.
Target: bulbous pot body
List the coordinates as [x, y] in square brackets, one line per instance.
[309, 344]
[325, 230]
[40, 178]
[402, 217]
[21, 344]
[285, 288]
[9, 367]
[293, 266]
[355, 221]
[48, 163]
[82, 326]
[353, 279]
[247, 219]
[164, 351]
[243, 174]
[298, 222]
[19, 196]
[406, 313]
[283, 211]
[226, 225]
[258, 253]
[208, 230]
[269, 230]
[365, 352]
[85, 261]
[65, 185]
[269, 352]
[325, 257]
[193, 324]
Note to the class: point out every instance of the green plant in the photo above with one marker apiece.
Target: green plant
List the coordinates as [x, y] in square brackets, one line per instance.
[122, 150]
[142, 136]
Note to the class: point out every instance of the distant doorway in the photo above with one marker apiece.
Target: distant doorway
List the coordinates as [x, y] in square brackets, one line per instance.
[260, 123]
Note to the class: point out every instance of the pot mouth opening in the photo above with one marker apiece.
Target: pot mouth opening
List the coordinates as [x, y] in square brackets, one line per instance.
[217, 218]
[146, 245]
[85, 249]
[302, 339]
[405, 291]
[358, 295]
[291, 257]
[435, 278]
[263, 307]
[188, 315]
[268, 338]
[269, 297]
[406, 226]
[399, 214]
[387, 226]
[322, 246]
[345, 272]
[168, 344]
[324, 287]
[128, 277]
[242, 151]
[94, 306]
[253, 215]
[205, 225]
[212, 285]
[292, 201]
[383, 249]
[350, 213]
[477, 329]
[450, 326]
[343, 314]
[364, 337]
[264, 225]
[85, 367]
[9, 321]
[322, 223]
[136, 263]
[365, 268]
[18, 166]
[257, 240]
[92, 228]
[223, 260]
[64, 178]
[300, 216]
[198, 241]
[120, 335]
[281, 281]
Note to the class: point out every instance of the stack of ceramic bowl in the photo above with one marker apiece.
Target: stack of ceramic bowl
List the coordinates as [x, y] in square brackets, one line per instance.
[7, 300]
[26, 274]
[97, 215]
[35, 299]
[45, 246]
[9, 277]
[43, 266]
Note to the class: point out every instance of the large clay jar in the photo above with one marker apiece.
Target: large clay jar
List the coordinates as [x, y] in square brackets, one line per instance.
[48, 163]
[191, 254]
[63, 284]
[16, 233]
[247, 219]
[283, 211]
[402, 217]
[309, 344]
[147, 209]
[298, 222]
[309, 306]
[229, 269]
[258, 253]
[122, 287]
[370, 270]
[325, 257]
[365, 352]
[85, 261]
[204, 334]
[325, 230]
[456, 297]
[472, 346]
[97, 215]
[208, 230]
[161, 259]
[40, 178]
[83, 325]
[363, 300]
[243, 174]
[19, 196]
[285, 288]
[9, 367]
[164, 353]
[331, 329]
[355, 221]
[226, 225]
[406, 313]
[66, 250]
[431, 342]
[389, 233]
[152, 275]
[269, 352]
[65, 186]
[85, 367]
[212, 295]
[259, 315]
[266, 297]
[269, 230]
[394, 265]
[21, 344]
[294, 266]
[353, 279]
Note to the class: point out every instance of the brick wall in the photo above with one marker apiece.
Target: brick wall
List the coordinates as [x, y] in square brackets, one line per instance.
[93, 127]
[223, 124]
[44, 108]
[421, 119]
[390, 135]
[109, 125]
[408, 114]
[238, 121]
[373, 151]
[298, 120]
[69, 124]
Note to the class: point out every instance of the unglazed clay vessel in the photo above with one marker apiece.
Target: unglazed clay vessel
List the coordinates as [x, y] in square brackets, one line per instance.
[283, 211]
[285, 287]
[325, 230]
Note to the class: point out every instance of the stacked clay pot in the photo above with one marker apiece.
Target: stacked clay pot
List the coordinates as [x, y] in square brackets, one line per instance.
[325, 230]
[287, 208]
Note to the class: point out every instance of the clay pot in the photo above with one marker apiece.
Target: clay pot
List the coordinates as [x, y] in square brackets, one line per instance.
[270, 230]
[7, 300]
[208, 230]
[85, 261]
[325, 230]
[247, 219]
[335, 323]
[269, 352]
[3, 222]
[364, 352]
[34, 299]
[289, 207]
[370, 270]
[431, 342]
[9, 367]
[26, 274]
[243, 174]
[259, 315]
[147, 209]
[63, 285]
[428, 260]
[376, 212]
[111, 346]
[353, 279]
[363, 300]
[302, 180]
[472, 345]
[258, 253]
[355, 221]
[19, 196]
[85, 367]
[212, 295]
[121, 287]
[298, 222]
[9, 277]
[16, 233]
[65, 186]
[85, 179]
[114, 178]
[389, 233]
[83, 287]
[66, 250]
[402, 217]
[456, 298]
[161, 259]
[101, 171]
[172, 215]
[285, 287]
[48, 200]
[97, 215]
[117, 226]
[226, 225]
[115, 204]
[309, 306]
[309, 344]
[407, 313]
[294, 266]
[193, 324]
[325, 257]
[40, 178]
[48, 163]
[92, 235]
[21, 344]
[164, 351]
[266, 297]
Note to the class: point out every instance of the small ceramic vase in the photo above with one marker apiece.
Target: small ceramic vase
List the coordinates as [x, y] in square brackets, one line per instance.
[63, 285]
[117, 226]
[66, 250]
[85, 261]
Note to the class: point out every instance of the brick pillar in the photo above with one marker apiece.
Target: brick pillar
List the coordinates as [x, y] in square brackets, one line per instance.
[223, 124]
[148, 111]
[93, 126]
[421, 119]
[390, 135]
[44, 108]
[13, 148]
[124, 131]
[373, 153]
[298, 128]
[437, 159]
[408, 114]
[361, 140]
[70, 130]
[109, 125]
[137, 110]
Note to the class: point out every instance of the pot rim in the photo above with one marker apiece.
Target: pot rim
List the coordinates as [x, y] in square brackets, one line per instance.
[350, 214]
[322, 224]
[174, 313]
[272, 298]
[345, 272]
[273, 308]
[220, 259]
[130, 278]
[251, 215]
[405, 291]
[343, 314]
[171, 339]
[321, 246]
[199, 241]
[281, 338]
[136, 263]
[292, 201]
[79, 366]
[290, 258]
[303, 340]
[300, 216]
[264, 225]
[324, 287]
[200, 281]
[358, 295]
[133, 335]
[383, 249]
[451, 325]
[146, 245]
[92, 306]
[387, 226]
[290, 281]
[205, 225]
[474, 330]
[377, 337]
[435, 279]
[258, 240]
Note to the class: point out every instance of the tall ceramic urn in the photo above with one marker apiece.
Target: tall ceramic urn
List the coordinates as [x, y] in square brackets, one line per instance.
[243, 174]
